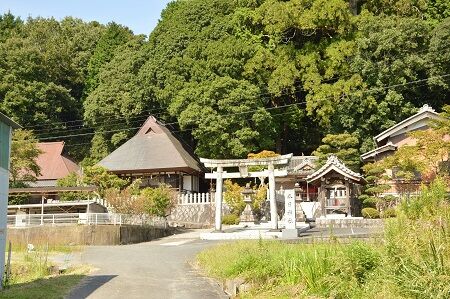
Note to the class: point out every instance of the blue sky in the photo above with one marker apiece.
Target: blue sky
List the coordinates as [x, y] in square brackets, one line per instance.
[141, 16]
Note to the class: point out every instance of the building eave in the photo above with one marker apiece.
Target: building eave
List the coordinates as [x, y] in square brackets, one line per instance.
[424, 112]
[379, 150]
[9, 122]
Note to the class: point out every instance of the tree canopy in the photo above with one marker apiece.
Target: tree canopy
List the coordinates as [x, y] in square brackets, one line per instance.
[229, 77]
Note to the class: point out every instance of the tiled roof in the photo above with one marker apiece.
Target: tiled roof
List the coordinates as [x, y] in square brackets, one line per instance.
[333, 164]
[426, 112]
[301, 165]
[52, 162]
[153, 148]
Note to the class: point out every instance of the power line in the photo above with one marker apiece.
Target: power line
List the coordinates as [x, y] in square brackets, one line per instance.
[254, 110]
[138, 117]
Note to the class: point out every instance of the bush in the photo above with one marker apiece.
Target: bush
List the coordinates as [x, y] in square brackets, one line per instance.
[370, 213]
[230, 219]
[389, 213]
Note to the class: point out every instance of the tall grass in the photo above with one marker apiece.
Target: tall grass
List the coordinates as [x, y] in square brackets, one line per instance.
[412, 261]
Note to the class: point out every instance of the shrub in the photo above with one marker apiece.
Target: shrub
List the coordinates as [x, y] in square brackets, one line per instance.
[233, 197]
[389, 213]
[370, 213]
[230, 219]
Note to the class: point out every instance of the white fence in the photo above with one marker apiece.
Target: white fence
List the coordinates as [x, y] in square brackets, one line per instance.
[195, 198]
[20, 220]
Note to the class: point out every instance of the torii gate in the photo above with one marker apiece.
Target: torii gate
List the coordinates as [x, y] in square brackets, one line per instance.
[243, 164]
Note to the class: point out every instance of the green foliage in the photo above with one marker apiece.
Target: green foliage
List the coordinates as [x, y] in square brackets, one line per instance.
[158, 201]
[230, 219]
[233, 197]
[71, 180]
[375, 175]
[114, 36]
[412, 260]
[370, 213]
[100, 177]
[389, 213]
[24, 153]
[344, 146]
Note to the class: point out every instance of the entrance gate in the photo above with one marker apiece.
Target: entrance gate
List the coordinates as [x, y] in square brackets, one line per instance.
[243, 165]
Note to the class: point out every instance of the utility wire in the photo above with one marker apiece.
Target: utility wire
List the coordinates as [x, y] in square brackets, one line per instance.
[254, 110]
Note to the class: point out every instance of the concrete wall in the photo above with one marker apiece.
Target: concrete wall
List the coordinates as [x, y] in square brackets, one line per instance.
[349, 222]
[84, 235]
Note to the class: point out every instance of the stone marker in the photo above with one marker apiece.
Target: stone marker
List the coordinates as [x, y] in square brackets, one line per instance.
[290, 231]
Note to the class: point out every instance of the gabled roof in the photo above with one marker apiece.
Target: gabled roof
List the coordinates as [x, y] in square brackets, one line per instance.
[52, 162]
[154, 148]
[425, 113]
[373, 153]
[301, 165]
[6, 120]
[333, 164]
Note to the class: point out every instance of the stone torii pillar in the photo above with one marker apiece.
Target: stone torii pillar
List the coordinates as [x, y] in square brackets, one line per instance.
[218, 199]
[272, 198]
[243, 164]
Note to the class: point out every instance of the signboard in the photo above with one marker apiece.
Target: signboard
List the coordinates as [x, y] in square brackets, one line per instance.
[289, 208]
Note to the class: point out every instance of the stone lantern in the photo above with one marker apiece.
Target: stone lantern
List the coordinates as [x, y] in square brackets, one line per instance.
[298, 190]
[247, 214]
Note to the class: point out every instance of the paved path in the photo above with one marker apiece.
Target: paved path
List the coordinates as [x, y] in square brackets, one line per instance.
[157, 269]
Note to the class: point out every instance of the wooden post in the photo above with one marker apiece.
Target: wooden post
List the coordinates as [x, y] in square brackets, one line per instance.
[347, 197]
[219, 184]
[322, 197]
[272, 198]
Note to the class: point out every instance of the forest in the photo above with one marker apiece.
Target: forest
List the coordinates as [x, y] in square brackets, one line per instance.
[229, 77]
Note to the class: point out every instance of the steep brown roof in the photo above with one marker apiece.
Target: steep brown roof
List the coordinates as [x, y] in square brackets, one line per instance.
[52, 162]
[154, 148]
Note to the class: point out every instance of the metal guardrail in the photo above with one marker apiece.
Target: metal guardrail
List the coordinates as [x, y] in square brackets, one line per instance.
[26, 220]
[63, 218]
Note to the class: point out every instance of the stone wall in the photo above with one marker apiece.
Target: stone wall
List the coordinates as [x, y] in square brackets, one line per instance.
[84, 235]
[349, 222]
[195, 215]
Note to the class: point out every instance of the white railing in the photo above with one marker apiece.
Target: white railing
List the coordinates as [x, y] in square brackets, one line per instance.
[195, 198]
[21, 220]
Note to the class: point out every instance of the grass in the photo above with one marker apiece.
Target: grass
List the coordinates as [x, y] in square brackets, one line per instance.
[411, 261]
[32, 274]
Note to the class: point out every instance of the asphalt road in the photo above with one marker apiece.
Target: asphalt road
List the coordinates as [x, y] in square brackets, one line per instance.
[157, 269]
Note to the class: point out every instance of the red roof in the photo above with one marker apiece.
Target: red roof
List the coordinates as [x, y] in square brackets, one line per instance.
[52, 162]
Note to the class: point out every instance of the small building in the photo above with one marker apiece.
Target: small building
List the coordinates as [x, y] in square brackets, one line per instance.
[6, 128]
[54, 164]
[156, 156]
[396, 136]
[338, 188]
[298, 169]
[390, 140]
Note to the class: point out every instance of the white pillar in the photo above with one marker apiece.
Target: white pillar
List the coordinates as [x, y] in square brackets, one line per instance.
[272, 198]
[219, 184]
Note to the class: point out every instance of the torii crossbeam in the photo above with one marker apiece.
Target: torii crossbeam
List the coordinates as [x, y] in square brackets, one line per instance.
[243, 164]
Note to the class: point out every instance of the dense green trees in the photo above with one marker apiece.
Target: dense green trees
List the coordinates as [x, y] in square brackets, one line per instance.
[231, 77]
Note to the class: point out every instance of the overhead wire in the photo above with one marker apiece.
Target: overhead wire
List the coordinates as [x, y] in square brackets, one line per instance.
[254, 110]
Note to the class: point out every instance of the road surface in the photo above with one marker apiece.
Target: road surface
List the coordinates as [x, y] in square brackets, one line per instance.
[156, 269]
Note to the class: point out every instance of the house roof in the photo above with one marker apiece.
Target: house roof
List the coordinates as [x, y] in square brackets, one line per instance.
[385, 148]
[301, 165]
[154, 148]
[52, 162]
[333, 164]
[9, 122]
[424, 113]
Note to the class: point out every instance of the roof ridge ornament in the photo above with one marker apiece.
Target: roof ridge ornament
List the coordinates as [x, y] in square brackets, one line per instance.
[333, 163]
[425, 108]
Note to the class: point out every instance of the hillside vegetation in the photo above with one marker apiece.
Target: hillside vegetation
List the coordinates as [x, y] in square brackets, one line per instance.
[229, 76]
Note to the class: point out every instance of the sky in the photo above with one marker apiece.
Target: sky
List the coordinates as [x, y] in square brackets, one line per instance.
[141, 16]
